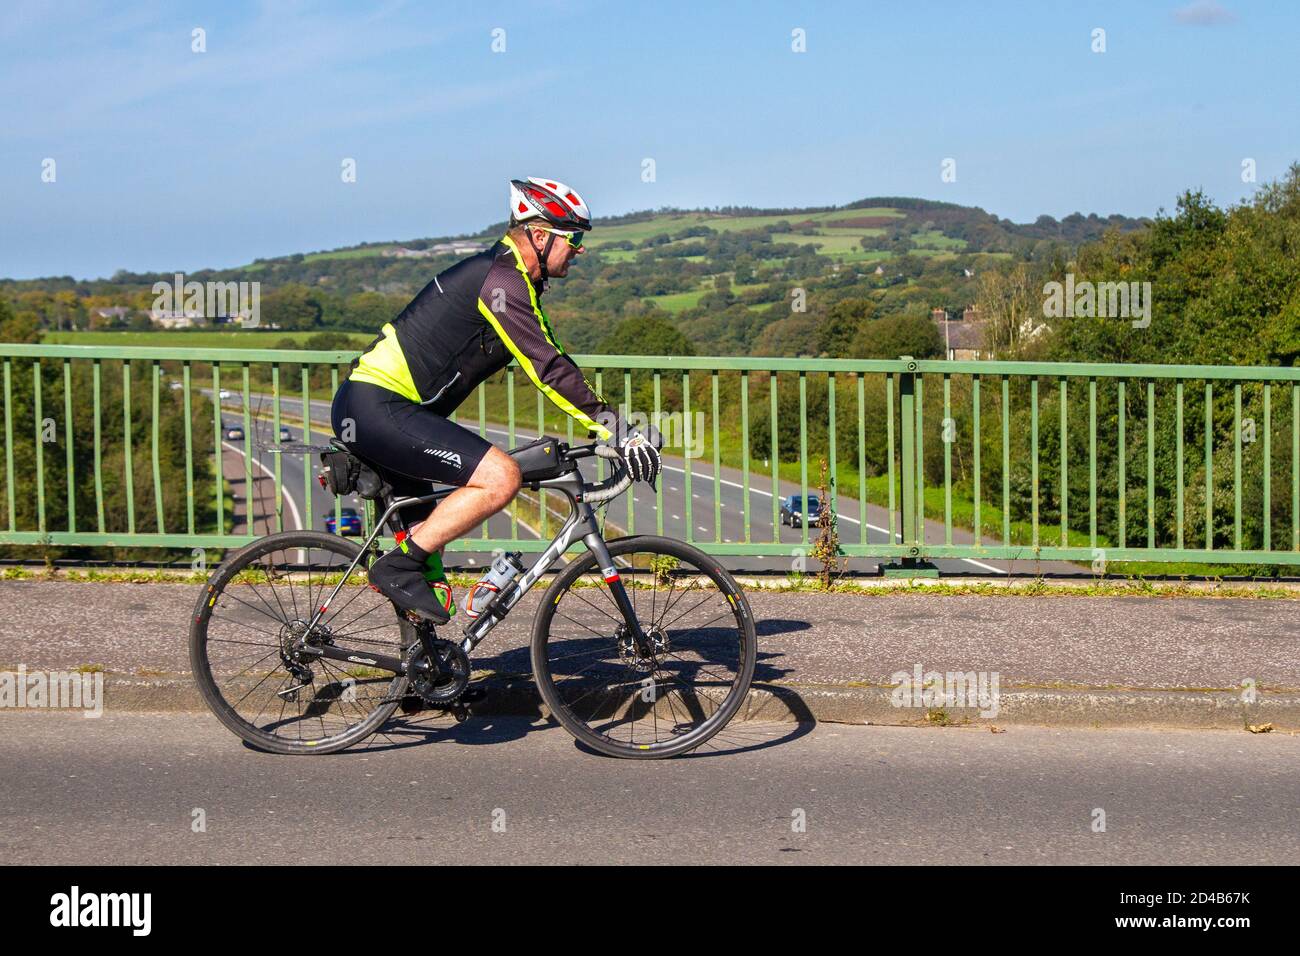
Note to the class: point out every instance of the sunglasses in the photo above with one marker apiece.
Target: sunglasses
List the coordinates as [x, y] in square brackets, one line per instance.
[574, 239]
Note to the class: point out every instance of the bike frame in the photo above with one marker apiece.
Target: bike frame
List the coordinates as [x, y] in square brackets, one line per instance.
[581, 523]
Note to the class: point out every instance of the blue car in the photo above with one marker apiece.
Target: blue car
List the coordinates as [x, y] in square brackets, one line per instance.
[792, 510]
[350, 521]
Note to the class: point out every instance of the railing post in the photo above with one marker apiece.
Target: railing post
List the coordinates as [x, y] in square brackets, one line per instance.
[907, 426]
[911, 565]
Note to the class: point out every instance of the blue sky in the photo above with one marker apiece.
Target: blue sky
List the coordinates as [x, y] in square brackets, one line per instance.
[171, 159]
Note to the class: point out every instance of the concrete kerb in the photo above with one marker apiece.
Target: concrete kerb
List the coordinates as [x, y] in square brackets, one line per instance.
[808, 703]
[1084, 585]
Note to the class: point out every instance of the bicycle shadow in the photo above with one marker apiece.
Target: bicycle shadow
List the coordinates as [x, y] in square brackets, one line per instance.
[772, 715]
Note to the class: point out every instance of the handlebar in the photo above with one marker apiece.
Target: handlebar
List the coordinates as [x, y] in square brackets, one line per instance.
[613, 486]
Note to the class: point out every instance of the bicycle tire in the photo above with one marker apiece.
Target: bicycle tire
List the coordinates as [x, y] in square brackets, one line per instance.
[580, 728]
[216, 594]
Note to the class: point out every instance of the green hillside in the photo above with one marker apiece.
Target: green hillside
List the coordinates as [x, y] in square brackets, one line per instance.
[733, 280]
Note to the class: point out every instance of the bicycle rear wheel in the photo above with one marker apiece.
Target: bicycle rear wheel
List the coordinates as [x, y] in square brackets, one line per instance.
[619, 701]
[254, 610]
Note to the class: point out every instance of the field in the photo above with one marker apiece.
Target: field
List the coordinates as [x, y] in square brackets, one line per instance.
[347, 253]
[678, 301]
[840, 226]
[838, 233]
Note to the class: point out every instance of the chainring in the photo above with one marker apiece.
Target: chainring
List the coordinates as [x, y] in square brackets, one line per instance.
[438, 688]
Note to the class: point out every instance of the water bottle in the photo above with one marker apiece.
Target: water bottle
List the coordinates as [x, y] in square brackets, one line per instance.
[486, 589]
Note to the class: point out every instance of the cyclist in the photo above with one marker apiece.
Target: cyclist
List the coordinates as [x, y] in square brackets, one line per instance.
[461, 328]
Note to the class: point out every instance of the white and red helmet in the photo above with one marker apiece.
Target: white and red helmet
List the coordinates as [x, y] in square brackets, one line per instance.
[549, 200]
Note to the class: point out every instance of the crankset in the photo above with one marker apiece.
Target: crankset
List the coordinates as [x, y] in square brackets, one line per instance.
[440, 680]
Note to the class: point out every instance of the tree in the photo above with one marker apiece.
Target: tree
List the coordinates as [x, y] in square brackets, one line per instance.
[645, 335]
[17, 329]
[791, 336]
[896, 335]
[1011, 301]
[835, 333]
[370, 310]
[292, 306]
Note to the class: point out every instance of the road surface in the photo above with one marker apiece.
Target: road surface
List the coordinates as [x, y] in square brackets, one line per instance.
[128, 788]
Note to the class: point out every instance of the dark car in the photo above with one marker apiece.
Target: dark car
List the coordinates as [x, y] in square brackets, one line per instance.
[350, 521]
[232, 432]
[792, 510]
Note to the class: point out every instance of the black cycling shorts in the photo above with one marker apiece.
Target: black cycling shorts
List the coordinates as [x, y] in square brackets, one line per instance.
[404, 438]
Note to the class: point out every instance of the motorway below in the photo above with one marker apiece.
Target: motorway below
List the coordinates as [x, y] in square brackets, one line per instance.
[703, 529]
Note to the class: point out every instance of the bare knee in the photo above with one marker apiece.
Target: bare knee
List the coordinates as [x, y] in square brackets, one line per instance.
[497, 474]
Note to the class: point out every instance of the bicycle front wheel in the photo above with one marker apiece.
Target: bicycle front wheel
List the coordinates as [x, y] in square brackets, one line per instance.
[245, 646]
[668, 695]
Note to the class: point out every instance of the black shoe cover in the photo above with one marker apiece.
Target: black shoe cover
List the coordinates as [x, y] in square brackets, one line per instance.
[400, 578]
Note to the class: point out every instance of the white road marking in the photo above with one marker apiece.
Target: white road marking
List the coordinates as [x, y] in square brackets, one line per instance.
[248, 516]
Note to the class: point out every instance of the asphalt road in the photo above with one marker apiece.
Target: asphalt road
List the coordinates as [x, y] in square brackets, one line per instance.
[705, 526]
[127, 788]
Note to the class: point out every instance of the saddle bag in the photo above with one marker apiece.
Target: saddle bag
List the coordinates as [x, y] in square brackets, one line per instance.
[343, 473]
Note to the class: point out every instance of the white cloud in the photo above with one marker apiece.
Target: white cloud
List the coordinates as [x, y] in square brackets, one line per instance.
[1204, 13]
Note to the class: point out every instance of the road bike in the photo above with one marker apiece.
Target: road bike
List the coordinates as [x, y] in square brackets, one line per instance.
[642, 646]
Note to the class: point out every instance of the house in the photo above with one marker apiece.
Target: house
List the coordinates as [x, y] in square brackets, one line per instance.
[458, 247]
[178, 320]
[963, 338]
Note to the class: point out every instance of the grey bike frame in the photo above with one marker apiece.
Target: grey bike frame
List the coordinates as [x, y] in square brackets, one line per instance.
[581, 522]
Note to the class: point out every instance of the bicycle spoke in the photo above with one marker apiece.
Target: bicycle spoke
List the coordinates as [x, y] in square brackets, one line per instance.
[696, 673]
[616, 620]
[254, 607]
[244, 673]
[681, 596]
[701, 667]
[700, 603]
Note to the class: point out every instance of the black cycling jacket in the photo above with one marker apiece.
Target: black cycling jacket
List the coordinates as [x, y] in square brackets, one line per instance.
[466, 325]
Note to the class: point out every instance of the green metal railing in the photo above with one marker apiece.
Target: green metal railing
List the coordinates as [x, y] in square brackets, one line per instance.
[998, 450]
